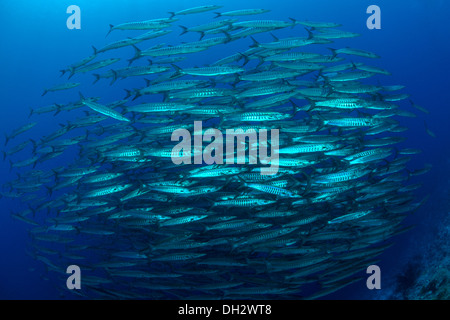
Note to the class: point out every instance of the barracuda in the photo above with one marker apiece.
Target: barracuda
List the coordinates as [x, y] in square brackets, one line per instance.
[243, 203]
[103, 110]
[210, 71]
[308, 148]
[368, 155]
[354, 122]
[345, 175]
[350, 216]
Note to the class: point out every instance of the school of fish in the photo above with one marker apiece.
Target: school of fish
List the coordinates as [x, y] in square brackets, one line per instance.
[142, 227]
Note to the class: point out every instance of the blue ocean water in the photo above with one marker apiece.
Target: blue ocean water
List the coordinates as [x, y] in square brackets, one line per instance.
[36, 44]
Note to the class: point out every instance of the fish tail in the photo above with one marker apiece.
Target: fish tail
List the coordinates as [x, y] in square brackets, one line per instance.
[4, 155]
[172, 14]
[178, 70]
[137, 95]
[129, 93]
[246, 59]
[275, 38]
[218, 14]
[45, 92]
[335, 54]
[260, 59]
[6, 139]
[308, 183]
[184, 30]
[97, 77]
[202, 34]
[49, 190]
[111, 28]
[31, 112]
[148, 82]
[294, 22]
[95, 50]
[295, 107]
[227, 35]
[114, 76]
[137, 54]
[58, 109]
[310, 34]
[255, 43]
[34, 145]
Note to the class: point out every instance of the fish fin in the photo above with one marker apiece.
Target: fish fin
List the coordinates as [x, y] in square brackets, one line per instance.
[115, 76]
[62, 72]
[129, 93]
[310, 34]
[33, 211]
[335, 54]
[227, 35]
[6, 139]
[260, 59]
[49, 190]
[97, 77]
[246, 59]
[178, 70]
[34, 145]
[294, 22]
[308, 183]
[111, 28]
[137, 54]
[255, 43]
[58, 106]
[211, 202]
[295, 107]
[184, 30]
[274, 37]
[240, 180]
[396, 151]
[137, 95]
[429, 132]
[213, 82]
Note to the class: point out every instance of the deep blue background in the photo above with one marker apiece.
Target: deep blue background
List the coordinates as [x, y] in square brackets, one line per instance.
[35, 45]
